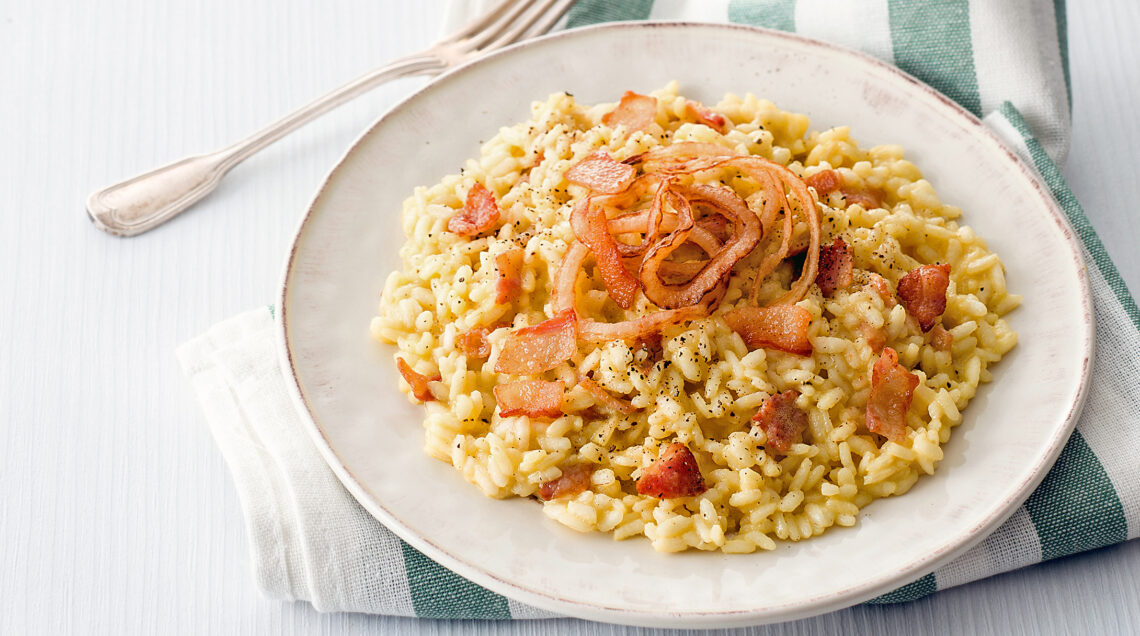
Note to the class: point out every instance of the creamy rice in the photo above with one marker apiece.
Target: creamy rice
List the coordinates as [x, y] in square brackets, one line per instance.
[706, 384]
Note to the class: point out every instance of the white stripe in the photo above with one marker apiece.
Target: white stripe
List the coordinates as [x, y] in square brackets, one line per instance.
[1022, 65]
[1005, 131]
[704, 11]
[1014, 545]
[1113, 398]
[858, 24]
[519, 610]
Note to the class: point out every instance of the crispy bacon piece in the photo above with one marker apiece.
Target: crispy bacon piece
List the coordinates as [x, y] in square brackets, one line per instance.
[883, 289]
[574, 479]
[834, 267]
[783, 422]
[533, 398]
[418, 381]
[942, 339]
[892, 388]
[673, 474]
[589, 224]
[876, 337]
[600, 173]
[825, 182]
[923, 293]
[508, 267]
[783, 327]
[869, 198]
[705, 115]
[603, 397]
[535, 349]
[474, 343]
[479, 214]
[634, 111]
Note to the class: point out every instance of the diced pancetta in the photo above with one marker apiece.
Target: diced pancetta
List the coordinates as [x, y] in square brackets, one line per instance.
[782, 327]
[892, 388]
[474, 343]
[419, 382]
[574, 479]
[705, 115]
[600, 173]
[533, 398]
[603, 397]
[835, 267]
[923, 292]
[674, 473]
[478, 215]
[531, 350]
[941, 339]
[825, 182]
[883, 289]
[508, 269]
[634, 111]
[783, 422]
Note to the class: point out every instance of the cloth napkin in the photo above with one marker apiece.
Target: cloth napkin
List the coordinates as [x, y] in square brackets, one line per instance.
[1005, 61]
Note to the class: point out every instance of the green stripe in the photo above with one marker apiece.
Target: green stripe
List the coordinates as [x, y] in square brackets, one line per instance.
[772, 14]
[1076, 508]
[1060, 15]
[1072, 208]
[440, 593]
[593, 11]
[920, 588]
[932, 41]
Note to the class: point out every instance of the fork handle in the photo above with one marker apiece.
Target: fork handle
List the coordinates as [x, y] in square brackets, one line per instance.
[148, 200]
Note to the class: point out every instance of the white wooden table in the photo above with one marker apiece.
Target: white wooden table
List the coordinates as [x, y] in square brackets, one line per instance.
[117, 513]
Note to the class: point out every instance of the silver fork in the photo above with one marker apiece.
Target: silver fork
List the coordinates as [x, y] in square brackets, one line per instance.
[149, 200]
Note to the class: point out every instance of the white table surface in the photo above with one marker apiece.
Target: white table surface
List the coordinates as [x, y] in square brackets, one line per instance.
[117, 513]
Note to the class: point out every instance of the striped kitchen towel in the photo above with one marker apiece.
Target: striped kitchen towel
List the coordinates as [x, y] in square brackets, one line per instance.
[1004, 61]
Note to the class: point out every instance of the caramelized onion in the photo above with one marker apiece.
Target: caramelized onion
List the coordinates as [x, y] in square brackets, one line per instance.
[565, 281]
[715, 272]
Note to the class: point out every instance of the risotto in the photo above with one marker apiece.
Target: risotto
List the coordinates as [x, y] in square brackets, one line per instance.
[702, 324]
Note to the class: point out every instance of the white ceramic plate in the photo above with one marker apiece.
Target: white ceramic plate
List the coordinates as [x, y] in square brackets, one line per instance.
[372, 437]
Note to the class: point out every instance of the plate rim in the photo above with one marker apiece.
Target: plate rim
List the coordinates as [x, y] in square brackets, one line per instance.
[718, 618]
